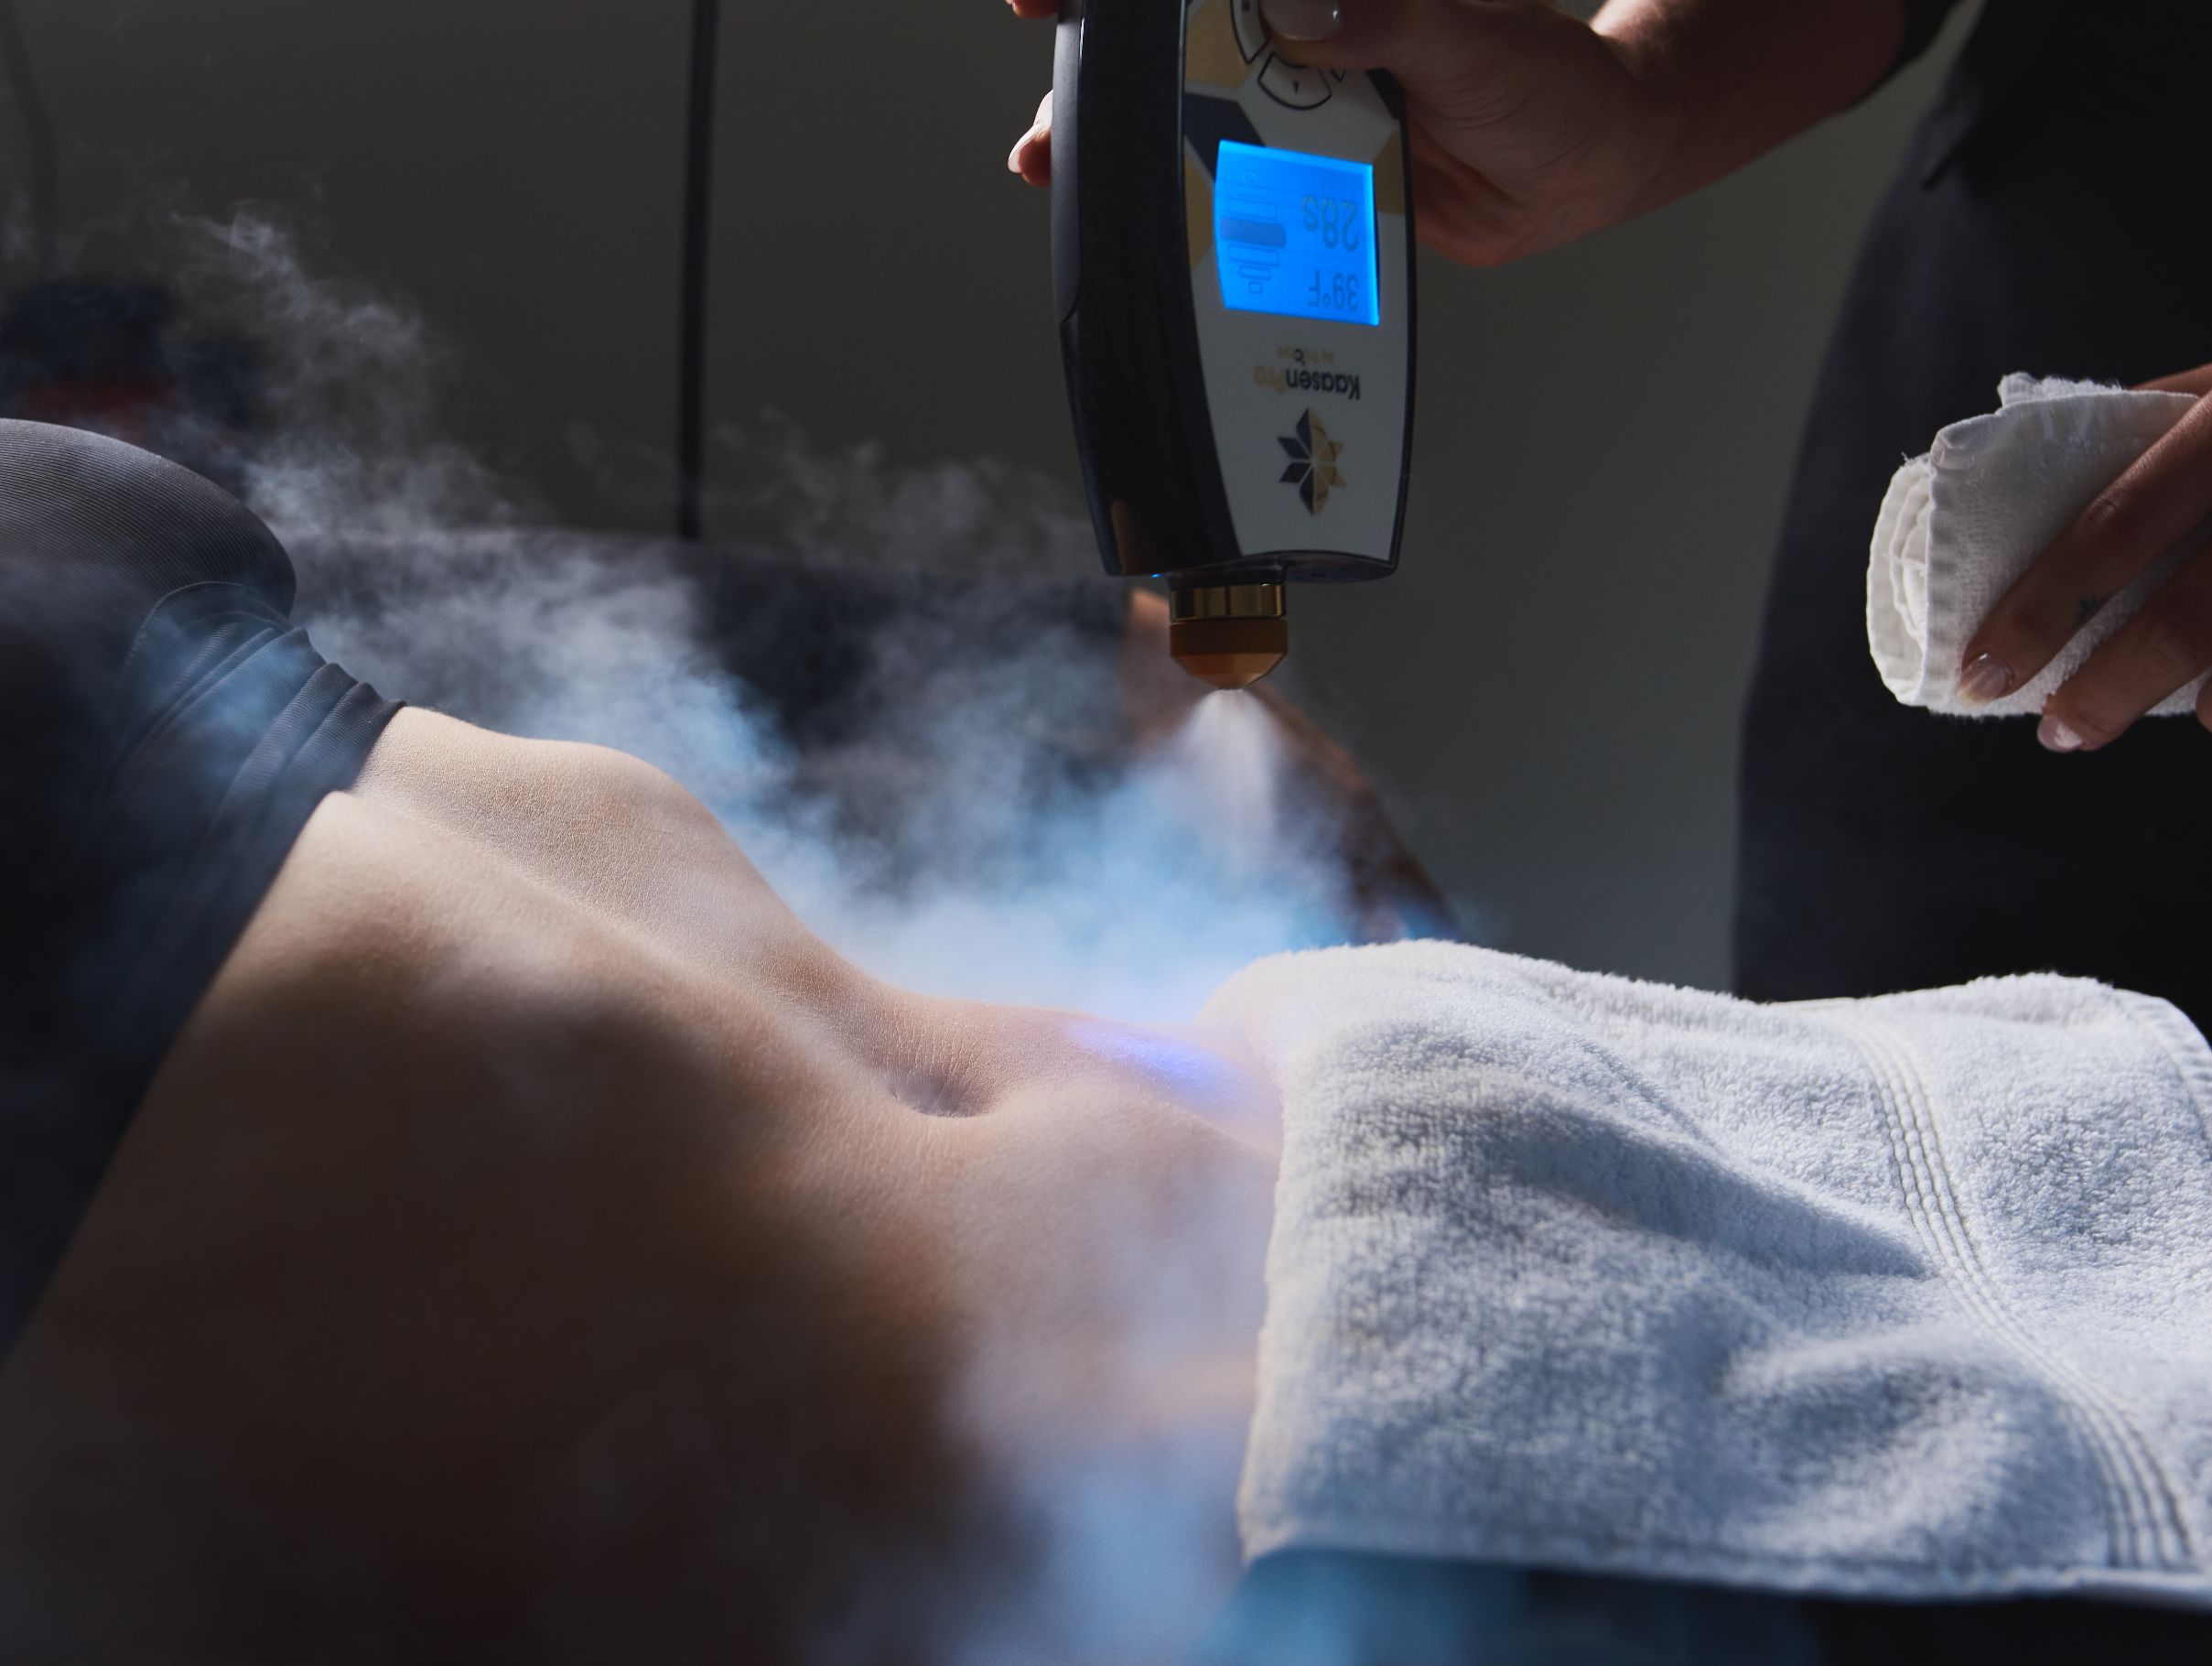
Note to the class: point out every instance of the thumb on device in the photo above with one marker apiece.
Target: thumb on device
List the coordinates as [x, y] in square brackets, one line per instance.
[1461, 60]
[1318, 21]
[1529, 127]
[1451, 36]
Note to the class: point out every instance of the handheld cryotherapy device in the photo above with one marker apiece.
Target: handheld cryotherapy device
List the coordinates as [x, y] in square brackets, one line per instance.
[1232, 265]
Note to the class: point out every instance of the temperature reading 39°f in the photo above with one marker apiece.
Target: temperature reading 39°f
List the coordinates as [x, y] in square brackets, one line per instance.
[1295, 234]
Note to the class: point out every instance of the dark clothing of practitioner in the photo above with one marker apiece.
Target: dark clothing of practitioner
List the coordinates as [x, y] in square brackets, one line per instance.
[2054, 214]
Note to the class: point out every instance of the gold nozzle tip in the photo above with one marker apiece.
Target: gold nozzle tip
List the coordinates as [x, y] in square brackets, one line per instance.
[1229, 635]
[1233, 669]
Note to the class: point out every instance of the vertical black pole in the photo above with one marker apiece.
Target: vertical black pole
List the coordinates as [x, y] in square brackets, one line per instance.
[699, 206]
[38, 139]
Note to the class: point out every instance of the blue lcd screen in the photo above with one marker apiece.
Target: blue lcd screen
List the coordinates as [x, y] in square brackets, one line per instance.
[1295, 234]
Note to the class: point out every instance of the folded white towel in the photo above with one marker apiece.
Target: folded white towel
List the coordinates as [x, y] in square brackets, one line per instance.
[1959, 525]
[1909, 1297]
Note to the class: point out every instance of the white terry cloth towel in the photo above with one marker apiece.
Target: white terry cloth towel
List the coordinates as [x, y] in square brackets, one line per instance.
[1961, 524]
[1908, 1297]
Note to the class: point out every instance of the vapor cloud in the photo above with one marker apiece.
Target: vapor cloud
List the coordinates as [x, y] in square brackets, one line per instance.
[974, 827]
[1129, 888]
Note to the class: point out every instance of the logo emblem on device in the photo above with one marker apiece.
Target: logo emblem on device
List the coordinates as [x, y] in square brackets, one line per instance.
[1312, 468]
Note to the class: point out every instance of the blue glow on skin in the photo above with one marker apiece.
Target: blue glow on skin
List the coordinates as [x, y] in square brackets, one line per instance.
[1194, 1074]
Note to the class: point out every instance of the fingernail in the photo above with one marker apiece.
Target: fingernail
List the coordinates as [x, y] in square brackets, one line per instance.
[2056, 736]
[1304, 20]
[1984, 680]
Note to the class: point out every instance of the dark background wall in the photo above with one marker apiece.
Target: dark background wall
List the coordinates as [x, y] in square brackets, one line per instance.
[1547, 693]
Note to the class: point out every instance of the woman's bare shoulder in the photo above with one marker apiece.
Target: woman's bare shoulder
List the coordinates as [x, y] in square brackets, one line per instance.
[556, 802]
[472, 878]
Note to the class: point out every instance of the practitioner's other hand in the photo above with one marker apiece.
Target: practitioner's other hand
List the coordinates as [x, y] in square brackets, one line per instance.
[2158, 502]
[1531, 128]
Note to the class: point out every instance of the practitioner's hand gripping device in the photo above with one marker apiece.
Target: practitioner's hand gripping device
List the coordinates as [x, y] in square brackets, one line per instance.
[1233, 262]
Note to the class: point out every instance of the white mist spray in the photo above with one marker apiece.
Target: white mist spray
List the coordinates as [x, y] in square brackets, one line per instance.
[1228, 761]
[1132, 892]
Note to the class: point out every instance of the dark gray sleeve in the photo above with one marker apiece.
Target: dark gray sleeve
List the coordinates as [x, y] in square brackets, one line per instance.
[1923, 20]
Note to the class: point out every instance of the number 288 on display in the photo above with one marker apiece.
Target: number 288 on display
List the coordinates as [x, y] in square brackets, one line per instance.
[1338, 223]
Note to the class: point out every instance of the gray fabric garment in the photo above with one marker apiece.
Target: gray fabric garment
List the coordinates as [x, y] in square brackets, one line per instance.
[1908, 1297]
